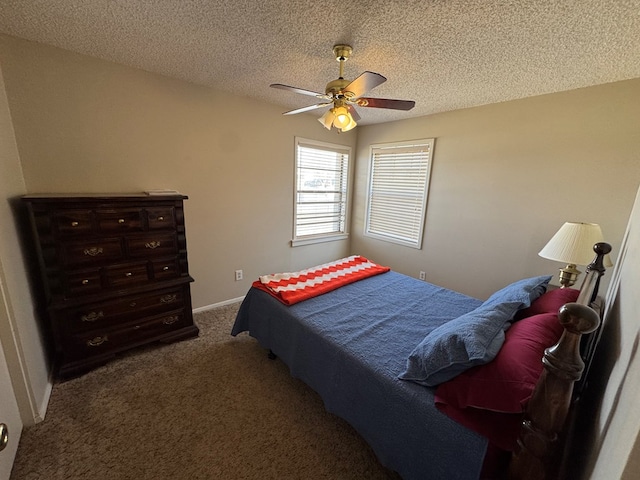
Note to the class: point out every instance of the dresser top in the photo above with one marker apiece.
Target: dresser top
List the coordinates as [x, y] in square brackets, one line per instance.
[109, 197]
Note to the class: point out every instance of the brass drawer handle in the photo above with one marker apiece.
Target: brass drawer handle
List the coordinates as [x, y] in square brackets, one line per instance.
[93, 251]
[4, 436]
[85, 282]
[128, 274]
[169, 298]
[121, 220]
[74, 224]
[170, 320]
[161, 218]
[97, 341]
[165, 268]
[152, 245]
[92, 317]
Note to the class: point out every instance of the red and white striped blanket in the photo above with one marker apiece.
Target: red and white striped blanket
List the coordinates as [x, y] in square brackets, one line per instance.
[295, 287]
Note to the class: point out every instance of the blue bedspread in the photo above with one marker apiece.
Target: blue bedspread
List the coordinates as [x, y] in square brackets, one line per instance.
[351, 344]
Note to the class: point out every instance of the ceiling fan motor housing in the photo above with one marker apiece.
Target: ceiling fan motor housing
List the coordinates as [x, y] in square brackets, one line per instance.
[334, 88]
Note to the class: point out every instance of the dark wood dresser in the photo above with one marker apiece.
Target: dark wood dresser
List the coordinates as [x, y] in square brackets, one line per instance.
[114, 274]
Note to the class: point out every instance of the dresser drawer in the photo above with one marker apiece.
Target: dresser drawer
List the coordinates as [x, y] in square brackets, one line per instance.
[82, 282]
[122, 220]
[152, 245]
[161, 218]
[100, 341]
[127, 275]
[101, 250]
[165, 268]
[112, 313]
[73, 222]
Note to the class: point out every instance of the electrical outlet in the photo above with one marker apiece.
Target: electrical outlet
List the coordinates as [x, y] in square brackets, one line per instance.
[422, 276]
[238, 275]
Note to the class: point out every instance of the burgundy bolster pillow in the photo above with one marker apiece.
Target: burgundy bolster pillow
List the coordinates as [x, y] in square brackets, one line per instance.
[549, 302]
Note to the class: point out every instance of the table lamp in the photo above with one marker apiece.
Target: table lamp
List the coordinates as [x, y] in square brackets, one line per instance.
[573, 245]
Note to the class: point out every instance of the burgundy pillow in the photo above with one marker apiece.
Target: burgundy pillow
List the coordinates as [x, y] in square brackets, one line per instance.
[549, 302]
[490, 398]
[506, 383]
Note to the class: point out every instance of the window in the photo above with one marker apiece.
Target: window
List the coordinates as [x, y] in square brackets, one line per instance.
[320, 212]
[398, 187]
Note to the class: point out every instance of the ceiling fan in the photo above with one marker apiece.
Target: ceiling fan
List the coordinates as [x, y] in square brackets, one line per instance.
[343, 95]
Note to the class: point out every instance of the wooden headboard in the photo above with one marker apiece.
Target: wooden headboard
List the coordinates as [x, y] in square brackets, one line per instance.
[541, 433]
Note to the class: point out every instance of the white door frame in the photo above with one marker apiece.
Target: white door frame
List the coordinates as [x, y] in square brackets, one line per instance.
[9, 413]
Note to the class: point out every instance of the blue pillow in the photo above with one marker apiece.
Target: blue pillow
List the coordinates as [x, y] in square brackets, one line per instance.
[474, 338]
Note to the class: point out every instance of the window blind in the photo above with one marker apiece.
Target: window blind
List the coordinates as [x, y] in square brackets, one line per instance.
[398, 187]
[321, 190]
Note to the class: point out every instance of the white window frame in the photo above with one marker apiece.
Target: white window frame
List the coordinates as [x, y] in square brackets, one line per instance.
[407, 230]
[342, 232]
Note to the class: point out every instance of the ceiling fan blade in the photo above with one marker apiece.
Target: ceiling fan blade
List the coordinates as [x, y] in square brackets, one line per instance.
[354, 113]
[365, 82]
[306, 109]
[299, 90]
[386, 103]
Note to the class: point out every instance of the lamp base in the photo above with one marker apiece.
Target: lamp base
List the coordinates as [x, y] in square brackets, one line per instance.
[568, 275]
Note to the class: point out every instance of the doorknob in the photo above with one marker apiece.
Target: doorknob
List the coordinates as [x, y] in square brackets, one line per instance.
[4, 436]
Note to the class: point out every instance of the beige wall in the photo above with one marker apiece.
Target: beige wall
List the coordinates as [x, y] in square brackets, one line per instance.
[506, 176]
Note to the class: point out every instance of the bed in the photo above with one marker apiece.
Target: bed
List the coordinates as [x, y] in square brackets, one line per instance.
[412, 366]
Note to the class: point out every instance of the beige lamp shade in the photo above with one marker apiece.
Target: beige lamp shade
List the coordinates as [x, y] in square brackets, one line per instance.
[573, 244]
[327, 119]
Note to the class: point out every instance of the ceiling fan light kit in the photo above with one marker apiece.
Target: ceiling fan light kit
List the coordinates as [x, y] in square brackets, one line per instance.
[338, 117]
[343, 95]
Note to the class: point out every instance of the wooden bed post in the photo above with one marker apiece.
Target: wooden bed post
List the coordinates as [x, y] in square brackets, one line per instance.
[539, 440]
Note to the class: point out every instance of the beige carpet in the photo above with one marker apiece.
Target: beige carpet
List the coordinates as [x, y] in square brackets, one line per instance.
[213, 407]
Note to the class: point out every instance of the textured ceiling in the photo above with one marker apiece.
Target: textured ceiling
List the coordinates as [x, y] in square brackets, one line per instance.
[444, 54]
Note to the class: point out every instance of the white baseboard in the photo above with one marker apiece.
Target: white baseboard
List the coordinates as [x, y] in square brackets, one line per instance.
[219, 304]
